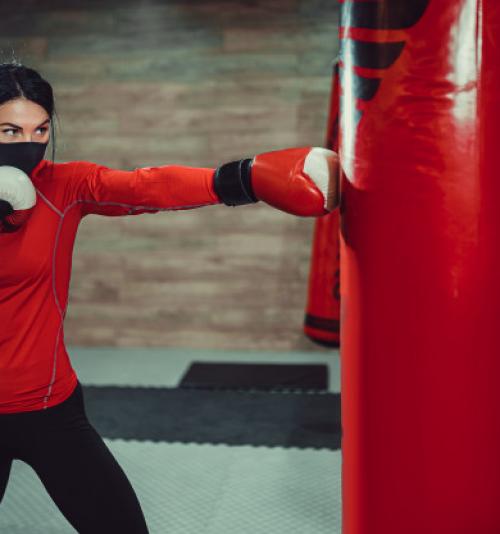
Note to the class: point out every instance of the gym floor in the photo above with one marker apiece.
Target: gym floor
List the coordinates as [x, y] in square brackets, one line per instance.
[264, 484]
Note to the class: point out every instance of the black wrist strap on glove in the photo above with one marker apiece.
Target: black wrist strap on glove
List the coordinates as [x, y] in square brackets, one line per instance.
[5, 209]
[232, 183]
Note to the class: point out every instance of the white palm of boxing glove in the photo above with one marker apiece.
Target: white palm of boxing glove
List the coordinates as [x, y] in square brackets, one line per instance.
[322, 167]
[17, 198]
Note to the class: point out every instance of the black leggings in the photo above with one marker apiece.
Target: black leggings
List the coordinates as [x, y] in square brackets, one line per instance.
[74, 464]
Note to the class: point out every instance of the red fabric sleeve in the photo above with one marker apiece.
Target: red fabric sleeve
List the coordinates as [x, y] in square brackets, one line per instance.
[106, 191]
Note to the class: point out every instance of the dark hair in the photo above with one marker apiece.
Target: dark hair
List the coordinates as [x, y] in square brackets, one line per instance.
[16, 81]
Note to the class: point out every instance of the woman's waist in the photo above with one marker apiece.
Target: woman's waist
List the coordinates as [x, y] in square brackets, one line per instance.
[35, 387]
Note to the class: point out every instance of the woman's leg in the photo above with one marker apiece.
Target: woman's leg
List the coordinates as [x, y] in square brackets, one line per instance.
[81, 475]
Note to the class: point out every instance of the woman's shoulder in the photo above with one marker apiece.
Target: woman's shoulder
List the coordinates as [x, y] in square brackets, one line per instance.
[63, 183]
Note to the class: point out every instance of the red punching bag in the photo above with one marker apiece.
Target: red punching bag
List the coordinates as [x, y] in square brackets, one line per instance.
[420, 269]
[321, 322]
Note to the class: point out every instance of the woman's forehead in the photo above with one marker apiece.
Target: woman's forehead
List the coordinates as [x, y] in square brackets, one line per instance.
[22, 111]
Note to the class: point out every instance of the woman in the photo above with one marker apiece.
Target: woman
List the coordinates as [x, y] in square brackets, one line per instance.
[42, 415]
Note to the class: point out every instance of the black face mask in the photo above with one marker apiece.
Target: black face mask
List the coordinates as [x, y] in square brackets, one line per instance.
[25, 156]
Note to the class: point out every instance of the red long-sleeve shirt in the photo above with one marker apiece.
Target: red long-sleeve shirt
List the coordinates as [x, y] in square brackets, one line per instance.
[35, 265]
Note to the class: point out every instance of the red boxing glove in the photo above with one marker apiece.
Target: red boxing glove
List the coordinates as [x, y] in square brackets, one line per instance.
[300, 181]
[17, 198]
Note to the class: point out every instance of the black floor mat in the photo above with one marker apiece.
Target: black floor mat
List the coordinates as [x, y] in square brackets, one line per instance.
[206, 375]
[229, 417]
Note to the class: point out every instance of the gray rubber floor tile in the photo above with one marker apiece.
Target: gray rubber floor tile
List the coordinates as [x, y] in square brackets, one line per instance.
[203, 489]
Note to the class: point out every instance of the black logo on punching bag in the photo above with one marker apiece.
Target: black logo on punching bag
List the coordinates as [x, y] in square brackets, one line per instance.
[376, 55]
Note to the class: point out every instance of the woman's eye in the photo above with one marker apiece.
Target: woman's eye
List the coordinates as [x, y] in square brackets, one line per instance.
[14, 131]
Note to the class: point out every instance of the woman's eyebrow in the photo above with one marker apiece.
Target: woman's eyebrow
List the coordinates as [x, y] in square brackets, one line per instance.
[16, 126]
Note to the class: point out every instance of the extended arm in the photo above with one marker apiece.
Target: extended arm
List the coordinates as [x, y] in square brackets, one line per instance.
[300, 181]
[108, 191]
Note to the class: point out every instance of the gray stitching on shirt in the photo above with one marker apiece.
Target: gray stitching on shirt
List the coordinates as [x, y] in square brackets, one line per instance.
[49, 203]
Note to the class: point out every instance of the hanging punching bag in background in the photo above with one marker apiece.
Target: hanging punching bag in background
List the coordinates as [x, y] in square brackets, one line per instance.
[420, 269]
[321, 323]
